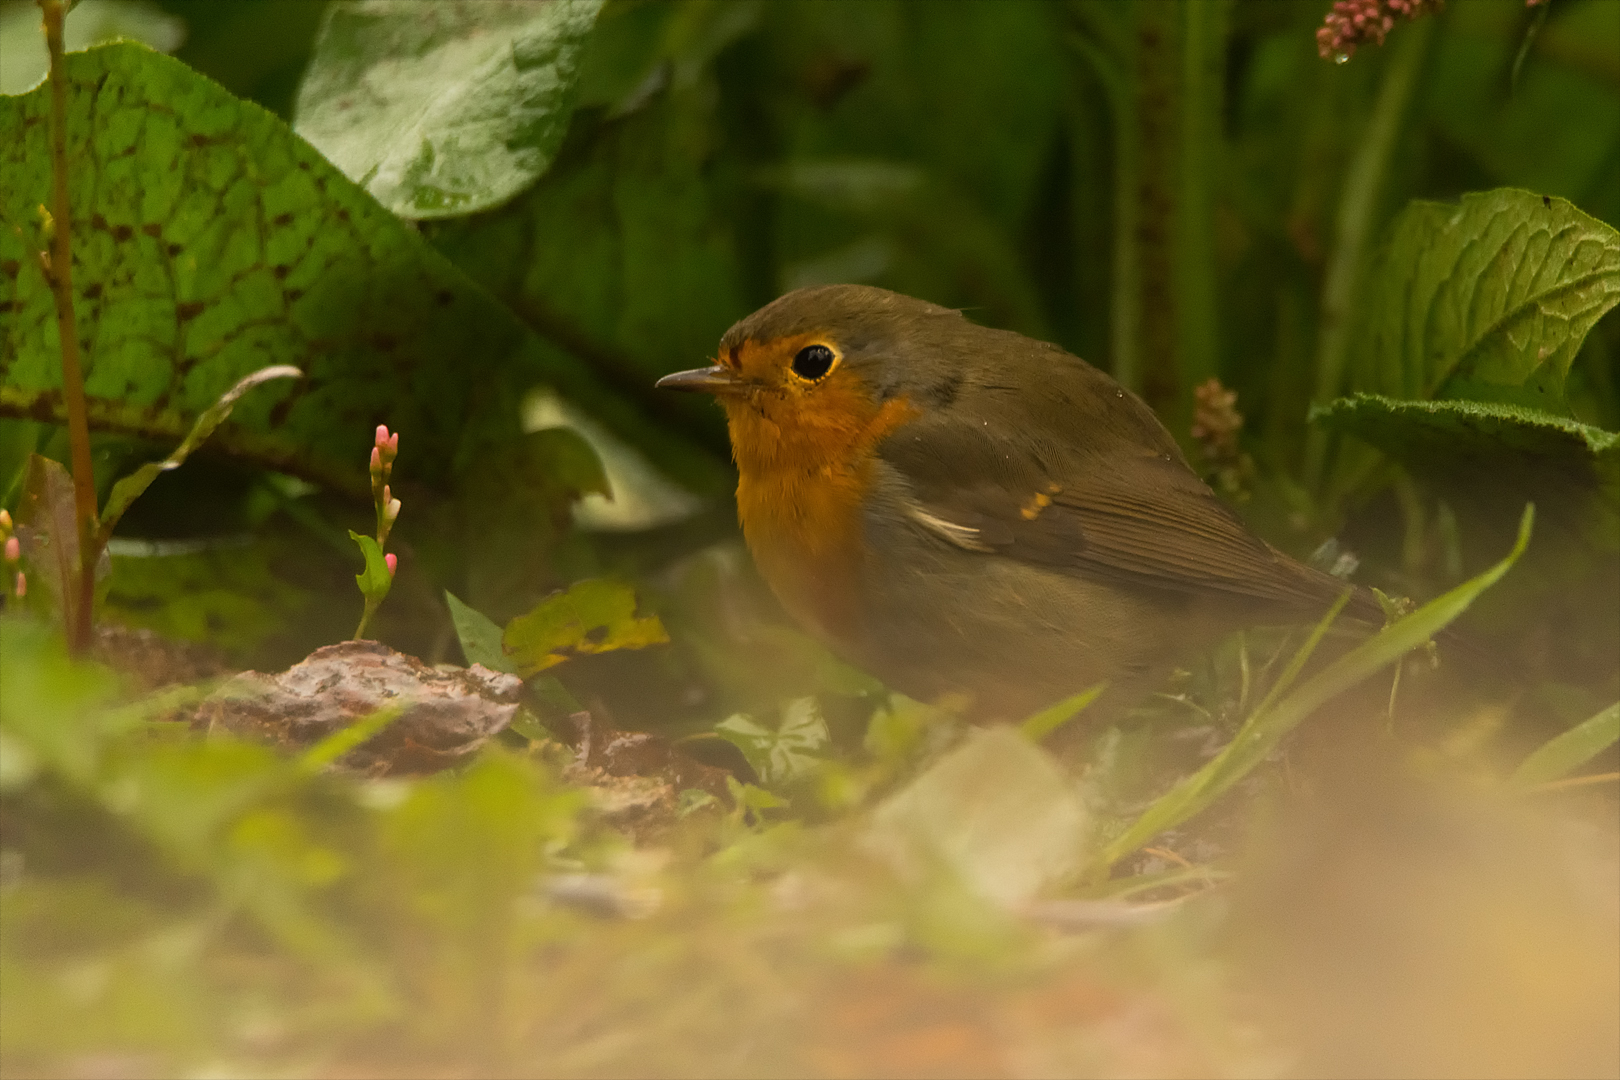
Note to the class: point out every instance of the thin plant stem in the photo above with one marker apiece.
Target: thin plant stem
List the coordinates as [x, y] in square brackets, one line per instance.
[59, 270]
[1537, 21]
[1358, 208]
[1117, 68]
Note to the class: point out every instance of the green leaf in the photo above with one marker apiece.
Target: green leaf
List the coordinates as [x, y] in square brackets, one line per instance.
[479, 636]
[791, 751]
[1569, 751]
[375, 580]
[1509, 450]
[528, 725]
[1489, 298]
[897, 729]
[445, 111]
[1267, 725]
[746, 797]
[689, 801]
[592, 616]
[209, 241]
[1428, 433]
[130, 488]
[549, 692]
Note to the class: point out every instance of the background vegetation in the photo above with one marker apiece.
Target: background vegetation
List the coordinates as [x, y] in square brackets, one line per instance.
[492, 226]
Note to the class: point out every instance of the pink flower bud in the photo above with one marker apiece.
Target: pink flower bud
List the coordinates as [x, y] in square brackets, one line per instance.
[382, 434]
[376, 460]
[13, 549]
[393, 562]
[22, 585]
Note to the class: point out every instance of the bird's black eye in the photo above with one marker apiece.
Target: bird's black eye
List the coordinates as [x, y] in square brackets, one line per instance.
[813, 361]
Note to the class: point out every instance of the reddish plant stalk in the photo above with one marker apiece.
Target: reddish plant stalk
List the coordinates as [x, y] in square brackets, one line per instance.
[59, 269]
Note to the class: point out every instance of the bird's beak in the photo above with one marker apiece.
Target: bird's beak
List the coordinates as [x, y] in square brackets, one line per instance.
[718, 379]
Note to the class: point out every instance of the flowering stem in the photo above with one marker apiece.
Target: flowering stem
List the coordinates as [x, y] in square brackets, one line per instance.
[378, 577]
[58, 266]
[13, 583]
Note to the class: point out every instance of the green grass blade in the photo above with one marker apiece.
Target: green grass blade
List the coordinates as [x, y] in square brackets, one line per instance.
[342, 741]
[1567, 752]
[1301, 656]
[1049, 719]
[1266, 727]
[479, 636]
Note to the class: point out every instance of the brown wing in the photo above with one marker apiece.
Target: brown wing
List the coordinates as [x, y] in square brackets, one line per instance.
[1127, 512]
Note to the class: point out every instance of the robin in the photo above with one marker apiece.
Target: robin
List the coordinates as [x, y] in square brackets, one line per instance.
[961, 510]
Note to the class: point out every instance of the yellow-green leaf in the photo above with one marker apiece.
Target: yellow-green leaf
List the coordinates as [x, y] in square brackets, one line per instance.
[593, 616]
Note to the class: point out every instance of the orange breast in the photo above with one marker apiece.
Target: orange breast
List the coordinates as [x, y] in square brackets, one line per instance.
[805, 469]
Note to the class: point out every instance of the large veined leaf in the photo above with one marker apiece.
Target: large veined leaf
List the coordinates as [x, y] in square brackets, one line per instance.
[1489, 298]
[447, 108]
[210, 241]
[592, 616]
[1506, 451]
[1410, 431]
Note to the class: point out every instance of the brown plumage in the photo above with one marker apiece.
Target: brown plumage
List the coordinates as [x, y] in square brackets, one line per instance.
[965, 510]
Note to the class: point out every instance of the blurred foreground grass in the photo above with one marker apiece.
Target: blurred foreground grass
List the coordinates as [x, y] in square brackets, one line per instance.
[181, 906]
